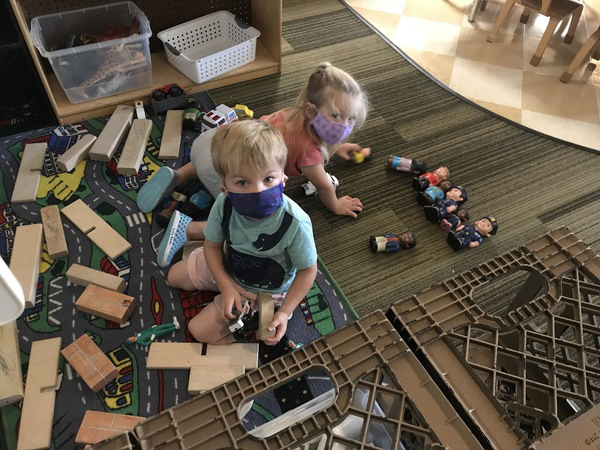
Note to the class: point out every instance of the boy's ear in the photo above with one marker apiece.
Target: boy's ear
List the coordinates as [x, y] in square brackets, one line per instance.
[285, 178]
[224, 189]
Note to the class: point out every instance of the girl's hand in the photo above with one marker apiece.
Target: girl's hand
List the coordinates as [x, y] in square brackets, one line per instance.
[230, 298]
[346, 149]
[279, 323]
[348, 206]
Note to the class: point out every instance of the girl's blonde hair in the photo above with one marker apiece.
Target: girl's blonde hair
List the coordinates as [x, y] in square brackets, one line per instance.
[252, 143]
[326, 85]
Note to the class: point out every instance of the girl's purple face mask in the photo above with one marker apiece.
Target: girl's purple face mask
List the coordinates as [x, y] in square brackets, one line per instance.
[330, 133]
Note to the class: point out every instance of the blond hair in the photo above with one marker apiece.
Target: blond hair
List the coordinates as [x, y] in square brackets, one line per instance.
[327, 85]
[250, 143]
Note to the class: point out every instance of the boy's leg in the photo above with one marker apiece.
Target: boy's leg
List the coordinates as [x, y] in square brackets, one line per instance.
[195, 230]
[209, 325]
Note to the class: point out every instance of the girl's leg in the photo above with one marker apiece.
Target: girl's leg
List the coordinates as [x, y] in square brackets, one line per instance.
[185, 173]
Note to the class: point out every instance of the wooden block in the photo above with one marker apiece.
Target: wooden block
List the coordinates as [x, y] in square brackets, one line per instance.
[97, 426]
[109, 305]
[266, 310]
[25, 259]
[35, 430]
[204, 378]
[135, 146]
[183, 355]
[100, 232]
[53, 232]
[11, 379]
[69, 159]
[171, 136]
[82, 276]
[90, 363]
[190, 246]
[28, 177]
[112, 134]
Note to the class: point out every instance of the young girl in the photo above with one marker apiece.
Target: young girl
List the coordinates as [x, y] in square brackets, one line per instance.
[328, 109]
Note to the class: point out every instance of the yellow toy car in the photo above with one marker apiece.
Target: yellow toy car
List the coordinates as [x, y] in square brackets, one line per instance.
[243, 111]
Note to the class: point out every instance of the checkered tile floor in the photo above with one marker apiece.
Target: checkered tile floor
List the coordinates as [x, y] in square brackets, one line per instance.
[437, 35]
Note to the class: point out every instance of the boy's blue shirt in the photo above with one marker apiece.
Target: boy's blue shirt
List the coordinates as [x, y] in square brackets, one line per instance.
[264, 255]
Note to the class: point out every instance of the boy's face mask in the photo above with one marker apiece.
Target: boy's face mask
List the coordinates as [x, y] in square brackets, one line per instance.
[330, 133]
[257, 205]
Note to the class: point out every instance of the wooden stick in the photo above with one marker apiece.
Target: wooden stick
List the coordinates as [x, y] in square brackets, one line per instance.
[69, 159]
[266, 310]
[183, 355]
[37, 415]
[53, 232]
[100, 232]
[109, 305]
[82, 276]
[135, 146]
[112, 134]
[28, 177]
[171, 137]
[26, 257]
[11, 379]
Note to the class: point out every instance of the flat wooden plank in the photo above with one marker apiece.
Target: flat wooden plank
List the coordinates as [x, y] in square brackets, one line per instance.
[135, 146]
[53, 232]
[37, 415]
[171, 137]
[266, 311]
[97, 426]
[69, 159]
[28, 177]
[100, 232]
[11, 379]
[205, 378]
[111, 242]
[82, 276]
[183, 355]
[26, 257]
[112, 134]
[109, 305]
[90, 362]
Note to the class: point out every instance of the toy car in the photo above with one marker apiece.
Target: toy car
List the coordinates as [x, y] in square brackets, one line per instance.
[310, 189]
[243, 111]
[221, 115]
[168, 90]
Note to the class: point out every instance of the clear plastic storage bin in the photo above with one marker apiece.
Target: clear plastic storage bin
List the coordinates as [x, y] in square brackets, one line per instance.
[98, 69]
[210, 46]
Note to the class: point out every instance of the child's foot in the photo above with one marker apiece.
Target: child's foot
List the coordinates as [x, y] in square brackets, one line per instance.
[162, 183]
[175, 237]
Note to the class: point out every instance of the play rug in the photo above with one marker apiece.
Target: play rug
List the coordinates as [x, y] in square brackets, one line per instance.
[136, 390]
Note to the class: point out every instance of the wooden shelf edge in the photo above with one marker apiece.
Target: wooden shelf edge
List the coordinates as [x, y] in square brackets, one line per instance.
[162, 73]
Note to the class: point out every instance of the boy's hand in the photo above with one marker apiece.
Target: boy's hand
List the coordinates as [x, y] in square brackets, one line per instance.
[230, 298]
[348, 206]
[345, 150]
[279, 323]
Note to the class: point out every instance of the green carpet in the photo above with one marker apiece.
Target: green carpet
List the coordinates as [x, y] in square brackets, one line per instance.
[529, 182]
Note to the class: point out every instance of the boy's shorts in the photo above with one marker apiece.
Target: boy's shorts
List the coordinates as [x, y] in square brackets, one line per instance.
[202, 279]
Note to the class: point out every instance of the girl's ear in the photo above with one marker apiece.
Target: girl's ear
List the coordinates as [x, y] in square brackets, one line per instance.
[310, 110]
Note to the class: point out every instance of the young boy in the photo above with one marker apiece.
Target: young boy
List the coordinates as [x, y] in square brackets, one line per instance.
[268, 239]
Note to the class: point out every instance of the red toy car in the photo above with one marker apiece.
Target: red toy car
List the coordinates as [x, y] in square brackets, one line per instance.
[168, 90]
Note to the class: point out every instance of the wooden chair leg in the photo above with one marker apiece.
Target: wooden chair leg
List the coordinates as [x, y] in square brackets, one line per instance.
[525, 16]
[501, 18]
[573, 25]
[586, 48]
[537, 56]
[483, 5]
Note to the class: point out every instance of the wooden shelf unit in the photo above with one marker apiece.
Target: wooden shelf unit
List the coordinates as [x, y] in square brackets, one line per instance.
[266, 17]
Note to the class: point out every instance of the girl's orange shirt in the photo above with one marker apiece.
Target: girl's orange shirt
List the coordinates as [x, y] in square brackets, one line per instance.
[302, 149]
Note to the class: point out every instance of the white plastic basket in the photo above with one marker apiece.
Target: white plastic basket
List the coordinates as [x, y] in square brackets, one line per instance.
[210, 46]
